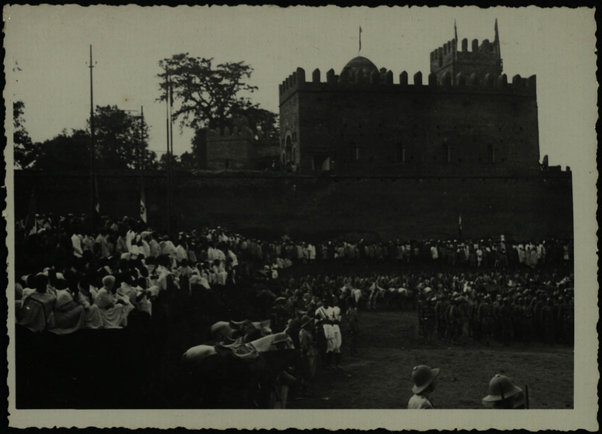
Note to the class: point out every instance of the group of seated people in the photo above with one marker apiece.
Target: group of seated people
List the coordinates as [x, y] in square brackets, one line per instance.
[61, 304]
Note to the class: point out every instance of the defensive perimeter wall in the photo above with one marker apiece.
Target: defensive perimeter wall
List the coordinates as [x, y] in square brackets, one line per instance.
[271, 204]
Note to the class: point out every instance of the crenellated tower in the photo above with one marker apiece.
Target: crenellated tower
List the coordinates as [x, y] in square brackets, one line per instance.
[482, 58]
[466, 117]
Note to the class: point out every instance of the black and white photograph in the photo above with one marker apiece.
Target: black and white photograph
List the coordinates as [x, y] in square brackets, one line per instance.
[273, 217]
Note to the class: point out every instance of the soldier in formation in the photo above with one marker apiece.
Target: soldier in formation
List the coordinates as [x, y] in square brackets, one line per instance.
[523, 315]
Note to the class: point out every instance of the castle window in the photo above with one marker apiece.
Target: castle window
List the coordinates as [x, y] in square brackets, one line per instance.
[356, 153]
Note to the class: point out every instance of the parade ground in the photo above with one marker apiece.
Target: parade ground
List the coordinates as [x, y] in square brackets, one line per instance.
[378, 376]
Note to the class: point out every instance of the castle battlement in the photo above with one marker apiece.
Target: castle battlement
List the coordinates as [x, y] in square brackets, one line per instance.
[474, 82]
[450, 49]
[234, 134]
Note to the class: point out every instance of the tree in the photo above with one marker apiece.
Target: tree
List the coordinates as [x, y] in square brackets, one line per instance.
[121, 142]
[64, 152]
[199, 148]
[121, 139]
[188, 161]
[168, 158]
[206, 96]
[263, 123]
[25, 151]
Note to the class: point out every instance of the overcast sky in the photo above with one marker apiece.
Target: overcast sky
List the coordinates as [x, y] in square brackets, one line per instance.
[50, 44]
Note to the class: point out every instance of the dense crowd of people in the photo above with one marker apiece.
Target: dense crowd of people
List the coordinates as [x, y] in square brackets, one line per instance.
[71, 278]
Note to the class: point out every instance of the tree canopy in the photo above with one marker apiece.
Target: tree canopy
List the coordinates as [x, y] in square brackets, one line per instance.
[263, 123]
[121, 139]
[205, 96]
[121, 142]
[25, 152]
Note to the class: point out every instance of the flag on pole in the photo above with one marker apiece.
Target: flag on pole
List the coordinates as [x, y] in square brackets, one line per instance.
[96, 200]
[142, 206]
[360, 39]
[34, 229]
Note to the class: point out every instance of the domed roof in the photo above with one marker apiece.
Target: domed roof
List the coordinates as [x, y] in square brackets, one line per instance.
[360, 64]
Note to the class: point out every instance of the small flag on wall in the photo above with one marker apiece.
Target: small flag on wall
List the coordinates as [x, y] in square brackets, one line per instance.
[96, 198]
[142, 206]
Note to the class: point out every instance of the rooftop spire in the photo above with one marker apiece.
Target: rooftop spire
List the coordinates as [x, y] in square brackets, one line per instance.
[456, 30]
[497, 38]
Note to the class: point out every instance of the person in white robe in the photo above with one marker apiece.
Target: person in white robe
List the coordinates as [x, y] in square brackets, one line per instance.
[68, 315]
[37, 308]
[127, 291]
[86, 297]
[101, 240]
[76, 242]
[181, 253]
[155, 248]
[167, 247]
[233, 258]
[329, 315]
[144, 246]
[114, 309]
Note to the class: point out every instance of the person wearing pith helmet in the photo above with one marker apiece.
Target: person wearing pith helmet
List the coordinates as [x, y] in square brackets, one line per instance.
[504, 394]
[424, 378]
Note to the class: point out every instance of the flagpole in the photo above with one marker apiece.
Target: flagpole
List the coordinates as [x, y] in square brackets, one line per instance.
[143, 212]
[168, 155]
[172, 176]
[92, 149]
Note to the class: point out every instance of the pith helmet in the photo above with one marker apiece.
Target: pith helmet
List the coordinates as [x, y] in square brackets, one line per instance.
[423, 376]
[500, 388]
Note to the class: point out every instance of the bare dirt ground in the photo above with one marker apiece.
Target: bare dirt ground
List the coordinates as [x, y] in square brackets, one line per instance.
[378, 376]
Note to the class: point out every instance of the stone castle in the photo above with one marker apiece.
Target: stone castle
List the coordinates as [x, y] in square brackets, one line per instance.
[408, 161]
[465, 118]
